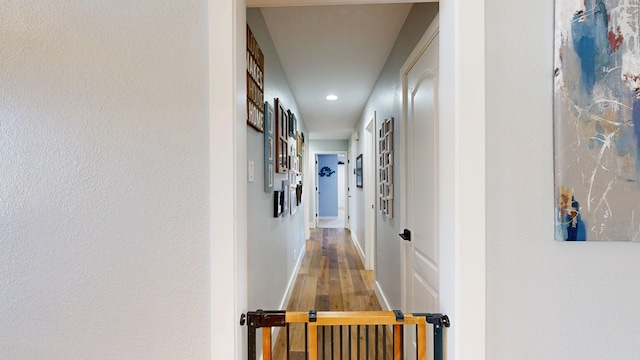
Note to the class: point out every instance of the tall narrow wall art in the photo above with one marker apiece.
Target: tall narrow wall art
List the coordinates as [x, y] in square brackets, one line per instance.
[269, 146]
[385, 167]
[597, 120]
[281, 138]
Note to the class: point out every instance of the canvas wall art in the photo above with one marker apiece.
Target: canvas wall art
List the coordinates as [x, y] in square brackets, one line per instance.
[597, 120]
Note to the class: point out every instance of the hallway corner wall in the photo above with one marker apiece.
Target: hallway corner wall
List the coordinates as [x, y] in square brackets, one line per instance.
[386, 101]
[104, 203]
[588, 289]
[274, 245]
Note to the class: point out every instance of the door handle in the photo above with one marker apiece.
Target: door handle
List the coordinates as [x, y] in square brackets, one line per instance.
[406, 235]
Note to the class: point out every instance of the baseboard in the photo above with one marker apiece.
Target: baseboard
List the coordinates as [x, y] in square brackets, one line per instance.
[383, 299]
[287, 295]
[357, 245]
[292, 279]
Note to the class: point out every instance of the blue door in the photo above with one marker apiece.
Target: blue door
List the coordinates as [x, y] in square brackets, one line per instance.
[327, 185]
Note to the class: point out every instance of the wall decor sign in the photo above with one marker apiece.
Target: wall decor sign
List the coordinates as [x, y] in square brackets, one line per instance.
[359, 171]
[597, 120]
[269, 146]
[282, 138]
[255, 83]
[385, 167]
[326, 171]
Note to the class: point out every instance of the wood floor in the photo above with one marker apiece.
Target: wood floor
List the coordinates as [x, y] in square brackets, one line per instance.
[331, 278]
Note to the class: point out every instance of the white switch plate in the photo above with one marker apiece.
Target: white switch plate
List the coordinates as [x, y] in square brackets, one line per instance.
[252, 171]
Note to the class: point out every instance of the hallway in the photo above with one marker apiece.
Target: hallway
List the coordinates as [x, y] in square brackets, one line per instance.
[334, 223]
[331, 278]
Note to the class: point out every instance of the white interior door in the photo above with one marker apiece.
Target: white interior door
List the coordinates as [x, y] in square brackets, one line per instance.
[369, 185]
[421, 259]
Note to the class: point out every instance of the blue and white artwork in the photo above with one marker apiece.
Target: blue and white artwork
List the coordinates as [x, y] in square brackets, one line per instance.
[597, 120]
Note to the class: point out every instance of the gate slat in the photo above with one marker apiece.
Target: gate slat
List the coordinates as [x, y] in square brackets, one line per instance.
[266, 343]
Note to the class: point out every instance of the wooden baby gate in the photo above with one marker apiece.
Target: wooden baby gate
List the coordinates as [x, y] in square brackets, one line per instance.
[342, 334]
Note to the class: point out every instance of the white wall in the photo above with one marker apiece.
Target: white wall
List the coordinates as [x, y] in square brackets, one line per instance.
[342, 185]
[228, 135]
[386, 101]
[274, 244]
[545, 299]
[104, 150]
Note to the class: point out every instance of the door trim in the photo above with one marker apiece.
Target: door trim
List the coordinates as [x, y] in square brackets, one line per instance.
[370, 194]
[315, 185]
[420, 48]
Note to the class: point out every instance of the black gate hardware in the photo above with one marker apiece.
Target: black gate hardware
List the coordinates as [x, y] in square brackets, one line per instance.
[439, 322]
[399, 315]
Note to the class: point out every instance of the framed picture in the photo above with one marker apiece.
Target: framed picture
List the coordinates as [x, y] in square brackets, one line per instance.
[269, 146]
[277, 203]
[293, 125]
[293, 200]
[596, 120]
[299, 194]
[293, 158]
[285, 197]
[281, 138]
[359, 171]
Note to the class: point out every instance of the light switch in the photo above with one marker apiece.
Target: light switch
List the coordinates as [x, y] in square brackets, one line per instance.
[252, 171]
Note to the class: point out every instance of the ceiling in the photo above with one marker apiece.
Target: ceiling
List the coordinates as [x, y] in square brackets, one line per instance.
[337, 50]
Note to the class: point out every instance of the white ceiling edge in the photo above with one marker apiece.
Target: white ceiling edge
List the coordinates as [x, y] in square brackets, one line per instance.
[330, 135]
[280, 3]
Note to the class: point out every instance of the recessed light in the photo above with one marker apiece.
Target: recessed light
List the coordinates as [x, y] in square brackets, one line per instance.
[331, 97]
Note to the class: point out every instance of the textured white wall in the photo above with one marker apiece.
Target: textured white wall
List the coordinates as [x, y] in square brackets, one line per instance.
[104, 182]
[545, 299]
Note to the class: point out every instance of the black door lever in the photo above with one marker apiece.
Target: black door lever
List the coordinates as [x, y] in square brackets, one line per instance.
[406, 235]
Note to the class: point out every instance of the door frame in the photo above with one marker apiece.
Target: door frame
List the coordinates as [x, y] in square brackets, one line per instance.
[417, 52]
[315, 185]
[370, 220]
[462, 87]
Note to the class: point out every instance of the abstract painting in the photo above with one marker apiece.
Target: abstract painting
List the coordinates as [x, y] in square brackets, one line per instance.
[597, 120]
